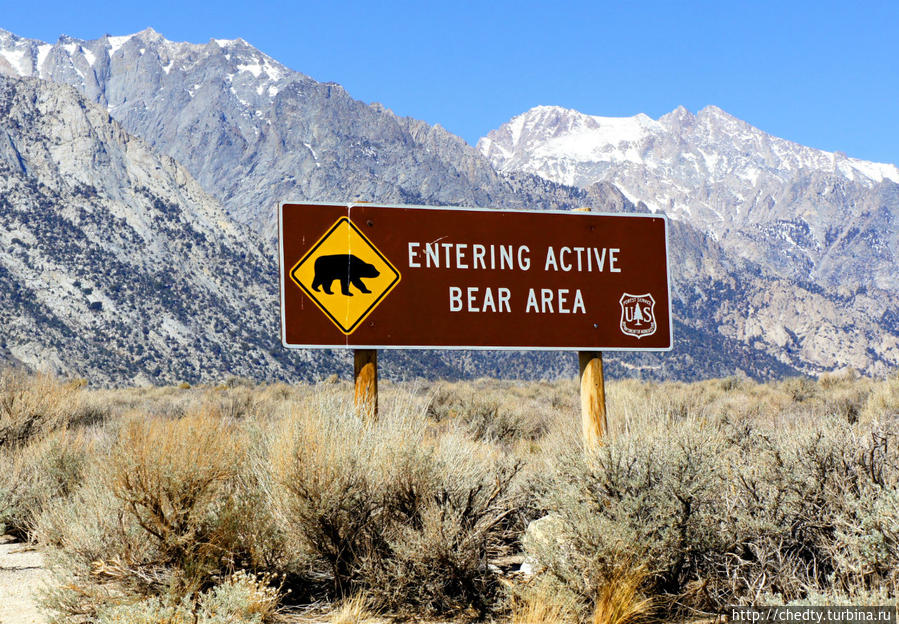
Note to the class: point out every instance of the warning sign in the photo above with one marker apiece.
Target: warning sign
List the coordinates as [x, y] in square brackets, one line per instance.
[345, 275]
[495, 279]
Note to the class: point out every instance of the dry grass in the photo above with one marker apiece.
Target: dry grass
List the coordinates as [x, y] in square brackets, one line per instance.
[618, 600]
[33, 406]
[155, 501]
[544, 603]
[354, 610]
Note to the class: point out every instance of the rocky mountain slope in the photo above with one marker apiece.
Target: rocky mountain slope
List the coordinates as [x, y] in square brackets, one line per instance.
[804, 213]
[114, 264]
[253, 133]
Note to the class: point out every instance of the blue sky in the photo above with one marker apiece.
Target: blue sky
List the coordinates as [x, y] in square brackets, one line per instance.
[824, 74]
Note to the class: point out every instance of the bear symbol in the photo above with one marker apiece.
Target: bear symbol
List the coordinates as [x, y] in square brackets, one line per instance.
[344, 267]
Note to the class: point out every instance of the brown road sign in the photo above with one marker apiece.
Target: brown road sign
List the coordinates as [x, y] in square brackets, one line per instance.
[380, 277]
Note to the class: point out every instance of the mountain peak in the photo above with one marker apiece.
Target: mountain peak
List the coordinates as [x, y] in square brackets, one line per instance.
[714, 112]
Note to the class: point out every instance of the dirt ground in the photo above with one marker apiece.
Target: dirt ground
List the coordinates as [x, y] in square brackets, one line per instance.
[21, 573]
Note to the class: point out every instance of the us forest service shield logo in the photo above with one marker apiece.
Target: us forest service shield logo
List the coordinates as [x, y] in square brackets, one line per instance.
[345, 275]
[638, 315]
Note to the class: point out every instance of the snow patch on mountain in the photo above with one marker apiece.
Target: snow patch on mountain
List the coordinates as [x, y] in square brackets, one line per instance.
[571, 147]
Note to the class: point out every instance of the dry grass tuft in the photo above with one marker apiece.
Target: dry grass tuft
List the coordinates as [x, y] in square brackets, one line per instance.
[546, 605]
[354, 610]
[619, 601]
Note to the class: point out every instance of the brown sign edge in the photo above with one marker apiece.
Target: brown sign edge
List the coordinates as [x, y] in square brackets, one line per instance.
[350, 205]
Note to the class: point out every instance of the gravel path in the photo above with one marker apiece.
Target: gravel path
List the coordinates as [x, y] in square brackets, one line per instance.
[21, 573]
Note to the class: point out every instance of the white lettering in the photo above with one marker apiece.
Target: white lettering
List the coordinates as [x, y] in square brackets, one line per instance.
[488, 300]
[455, 295]
[472, 304]
[524, 260]
[550, 260]
[412, 254]
[562, 265]
[600, 259]
[532, 302]
[504, 295]
[613, 258]
[579, 251]
[478, 252]
[546, 300]
[550, 300]
[433, 254]
[505, 257]
[460, 256]
[446, 248]
[579, 302]
[491, 302]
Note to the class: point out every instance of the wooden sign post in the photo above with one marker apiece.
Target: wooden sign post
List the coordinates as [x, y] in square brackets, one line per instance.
[369, 277]
[365, 376]
[593, 399]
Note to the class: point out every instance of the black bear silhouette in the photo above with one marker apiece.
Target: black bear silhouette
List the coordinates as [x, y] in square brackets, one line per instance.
[344, 267]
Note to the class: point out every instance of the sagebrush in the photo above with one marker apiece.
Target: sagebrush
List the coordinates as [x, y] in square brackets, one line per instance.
[196, 503]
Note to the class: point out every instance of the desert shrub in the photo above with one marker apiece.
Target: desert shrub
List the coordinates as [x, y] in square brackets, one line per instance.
[381, 509]
[488, 413]
[840, 378]
[799, 388]
[176, 480]
[96, 552]
[635, 499]
[33, 405]
[882, 403]
[727, 512]
[847, 404]
[33, 476]
[171, 508]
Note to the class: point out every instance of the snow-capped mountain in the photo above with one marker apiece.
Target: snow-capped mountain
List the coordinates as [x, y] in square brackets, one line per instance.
[712, 146]
[253, 133]
[116, 266]
[805, 213]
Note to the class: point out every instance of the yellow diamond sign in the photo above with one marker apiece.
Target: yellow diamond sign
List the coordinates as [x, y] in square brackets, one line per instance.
[345, 275]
